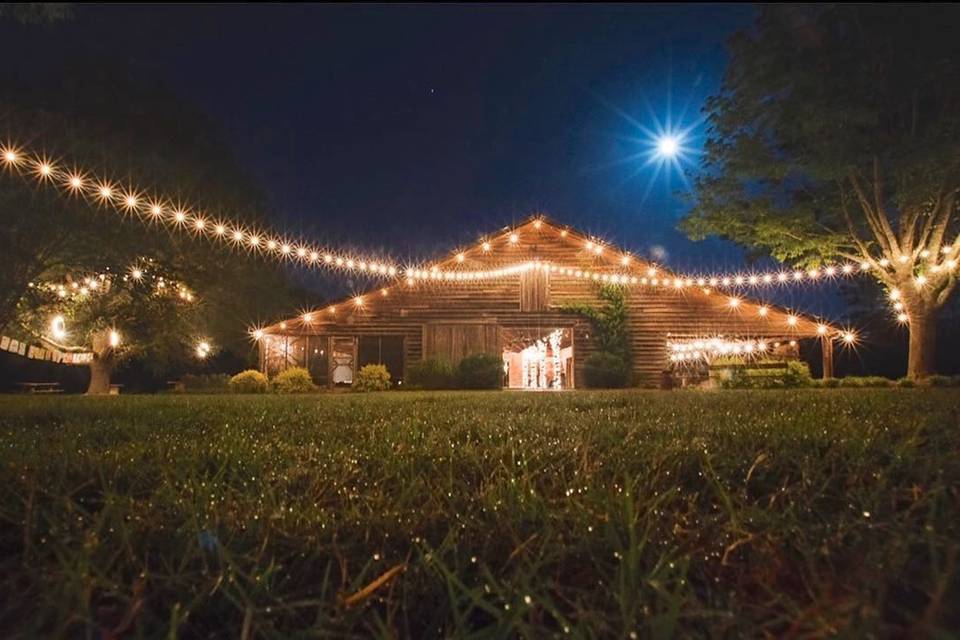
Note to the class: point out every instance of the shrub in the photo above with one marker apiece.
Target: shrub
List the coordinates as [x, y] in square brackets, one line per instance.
[603, 370]
[943, 381]
[906, 383]
[293, 380]
[205, 383]
[795, 375]
[480, 371]
[249, 381]
[372, 377]
[829, 383]
[431, 374]
[865, 381]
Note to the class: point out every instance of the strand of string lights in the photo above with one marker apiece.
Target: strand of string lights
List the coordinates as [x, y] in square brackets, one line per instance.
[133, 201]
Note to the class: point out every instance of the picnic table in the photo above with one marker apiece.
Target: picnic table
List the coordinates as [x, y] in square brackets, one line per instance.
[41, 387]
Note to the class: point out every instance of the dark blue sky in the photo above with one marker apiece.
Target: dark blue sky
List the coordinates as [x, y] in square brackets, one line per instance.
[416, 127]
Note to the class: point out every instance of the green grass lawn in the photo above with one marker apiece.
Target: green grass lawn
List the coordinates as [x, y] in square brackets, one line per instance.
[781, 513]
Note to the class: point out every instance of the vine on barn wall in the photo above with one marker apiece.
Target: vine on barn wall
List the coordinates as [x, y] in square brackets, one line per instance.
[609, 320]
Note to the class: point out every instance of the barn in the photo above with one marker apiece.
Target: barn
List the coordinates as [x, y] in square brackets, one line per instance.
[513, 294]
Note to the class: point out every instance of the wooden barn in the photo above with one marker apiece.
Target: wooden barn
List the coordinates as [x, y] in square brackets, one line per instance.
[511, 294]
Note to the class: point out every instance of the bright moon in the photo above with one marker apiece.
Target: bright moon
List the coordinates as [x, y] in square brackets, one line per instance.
[667, 146]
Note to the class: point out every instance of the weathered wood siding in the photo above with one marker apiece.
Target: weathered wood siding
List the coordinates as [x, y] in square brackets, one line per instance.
[455, 318]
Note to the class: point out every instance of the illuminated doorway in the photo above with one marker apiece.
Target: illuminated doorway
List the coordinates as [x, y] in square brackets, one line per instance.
[538, 359]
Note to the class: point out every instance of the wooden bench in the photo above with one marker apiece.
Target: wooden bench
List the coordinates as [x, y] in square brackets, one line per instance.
[40, 387]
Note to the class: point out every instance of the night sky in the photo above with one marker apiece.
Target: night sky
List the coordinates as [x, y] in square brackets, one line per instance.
[413, 128]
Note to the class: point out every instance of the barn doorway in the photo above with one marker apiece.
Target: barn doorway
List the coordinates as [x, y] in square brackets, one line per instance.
[538, 359]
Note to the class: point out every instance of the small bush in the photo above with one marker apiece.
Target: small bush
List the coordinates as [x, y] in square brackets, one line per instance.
[480, 371]
[829, 383]
[205, 383]
[372, 377]
[249, 381]
[431, 374]
[943, 381]
[794, 376]
[293, 380]
[865, 381]
[605, 370]
[906, 383]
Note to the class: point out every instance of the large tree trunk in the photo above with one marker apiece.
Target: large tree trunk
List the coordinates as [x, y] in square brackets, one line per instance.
[102, 364]
[100, 370]
[923, 343]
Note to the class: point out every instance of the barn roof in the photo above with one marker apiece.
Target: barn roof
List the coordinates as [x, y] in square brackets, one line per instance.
[543, 243]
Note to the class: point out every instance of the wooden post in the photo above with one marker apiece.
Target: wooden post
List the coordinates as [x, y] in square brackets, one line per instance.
[826, 345]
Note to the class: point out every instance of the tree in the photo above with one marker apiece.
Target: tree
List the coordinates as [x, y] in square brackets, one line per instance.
[836, 135]
[117, 314]
[125, 123]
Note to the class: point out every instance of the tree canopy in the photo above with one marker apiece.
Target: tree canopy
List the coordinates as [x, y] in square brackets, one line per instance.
[124, 122]
[836, 135]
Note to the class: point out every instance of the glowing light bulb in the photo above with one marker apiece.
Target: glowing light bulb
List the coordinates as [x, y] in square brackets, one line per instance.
[734, 303]
[44, 169]
[257, 334]
[114, 339]
[763, 311]
[460, 257]
[307, 317]
[75, 182]
[849, 337]
[136, 274]
[792, 320]
[10, 156]
[514, 238]
[822, 329]
[58, 327]
[358, 301]
[902, 317]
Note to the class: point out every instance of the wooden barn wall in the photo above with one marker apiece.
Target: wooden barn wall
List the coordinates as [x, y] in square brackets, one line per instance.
[426, 313]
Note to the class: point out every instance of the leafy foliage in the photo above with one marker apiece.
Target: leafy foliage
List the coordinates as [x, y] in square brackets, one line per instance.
[431, 373]
[372, 377]
[249, 381]
[205, 382]
[611, 331]
[112, 116]
[293, 380]
[836, 135]
[795, 375]
[604, 370]
[681, 514]
[480, 371]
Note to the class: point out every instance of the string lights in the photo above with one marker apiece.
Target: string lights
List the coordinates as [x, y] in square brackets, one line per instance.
[79, 287]
[132, 201]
